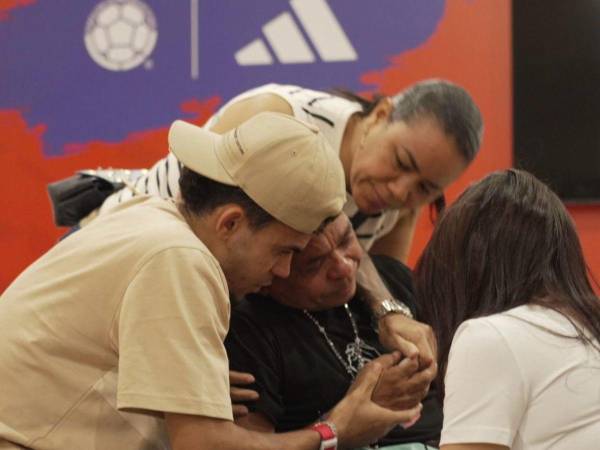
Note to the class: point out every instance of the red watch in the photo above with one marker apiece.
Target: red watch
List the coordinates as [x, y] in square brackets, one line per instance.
[328, 434]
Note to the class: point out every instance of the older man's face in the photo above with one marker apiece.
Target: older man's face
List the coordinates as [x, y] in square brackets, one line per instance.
[323, 275]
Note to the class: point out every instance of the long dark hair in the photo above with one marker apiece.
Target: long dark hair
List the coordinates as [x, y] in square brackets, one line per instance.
[507, 241]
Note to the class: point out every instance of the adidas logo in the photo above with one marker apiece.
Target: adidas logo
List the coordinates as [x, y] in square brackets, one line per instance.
[288, 44]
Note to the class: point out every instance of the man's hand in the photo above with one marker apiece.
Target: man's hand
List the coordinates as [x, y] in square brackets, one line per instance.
[358, 418]
[403, 386]
[411, 338]
[239, 394]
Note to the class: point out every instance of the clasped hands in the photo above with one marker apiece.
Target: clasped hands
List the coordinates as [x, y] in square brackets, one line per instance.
[400, 386]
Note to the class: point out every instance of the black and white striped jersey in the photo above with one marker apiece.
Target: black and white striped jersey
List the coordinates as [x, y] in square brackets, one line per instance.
[328, 112]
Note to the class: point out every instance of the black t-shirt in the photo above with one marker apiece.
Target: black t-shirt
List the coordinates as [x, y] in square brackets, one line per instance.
[297, 375]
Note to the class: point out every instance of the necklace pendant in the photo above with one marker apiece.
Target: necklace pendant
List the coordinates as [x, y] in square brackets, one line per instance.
[357, 352]
[354, 357]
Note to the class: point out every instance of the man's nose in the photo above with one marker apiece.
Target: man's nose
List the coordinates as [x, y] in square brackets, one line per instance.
[281, 268]
[342, 266]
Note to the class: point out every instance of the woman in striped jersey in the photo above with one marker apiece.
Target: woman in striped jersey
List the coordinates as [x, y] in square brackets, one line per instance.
[399, 153]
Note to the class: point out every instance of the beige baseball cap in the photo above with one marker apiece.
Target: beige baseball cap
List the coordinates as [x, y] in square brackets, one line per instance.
[285, 165]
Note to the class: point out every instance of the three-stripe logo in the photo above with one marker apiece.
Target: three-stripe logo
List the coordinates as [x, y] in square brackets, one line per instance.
[288, 44]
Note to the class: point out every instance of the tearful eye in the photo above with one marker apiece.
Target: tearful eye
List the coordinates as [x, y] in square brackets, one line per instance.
[313, 266]
[400, 164]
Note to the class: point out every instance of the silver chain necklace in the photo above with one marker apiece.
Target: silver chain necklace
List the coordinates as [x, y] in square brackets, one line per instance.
[358, 352]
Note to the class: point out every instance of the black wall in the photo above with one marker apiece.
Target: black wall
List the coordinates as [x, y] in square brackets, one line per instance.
[556, 81]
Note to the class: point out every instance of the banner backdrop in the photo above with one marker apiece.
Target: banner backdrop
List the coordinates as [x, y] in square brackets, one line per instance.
[97, 83]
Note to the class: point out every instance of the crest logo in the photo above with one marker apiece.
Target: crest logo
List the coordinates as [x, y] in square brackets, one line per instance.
[120, 34]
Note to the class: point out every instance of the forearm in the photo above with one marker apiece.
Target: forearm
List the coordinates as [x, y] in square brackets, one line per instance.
[374, 292]
[256, 421]
[296, 440]
[203, 433]
[397, 243]
[371, 285]
[237, 438]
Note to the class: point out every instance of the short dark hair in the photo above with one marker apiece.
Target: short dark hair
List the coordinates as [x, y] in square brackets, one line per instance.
[202, 195]
[507, 241]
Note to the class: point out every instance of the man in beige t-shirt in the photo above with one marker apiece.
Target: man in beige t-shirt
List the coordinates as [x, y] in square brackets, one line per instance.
[114, 338]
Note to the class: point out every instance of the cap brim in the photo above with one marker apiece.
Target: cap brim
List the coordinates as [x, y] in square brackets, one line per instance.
[196, 148]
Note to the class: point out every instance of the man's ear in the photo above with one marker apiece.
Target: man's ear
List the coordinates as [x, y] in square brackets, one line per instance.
[230, 219]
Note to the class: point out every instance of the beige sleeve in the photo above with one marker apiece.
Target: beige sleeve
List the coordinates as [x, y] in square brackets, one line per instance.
[171, 326]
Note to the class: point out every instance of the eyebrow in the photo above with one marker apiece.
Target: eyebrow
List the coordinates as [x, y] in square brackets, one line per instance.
[347, 233]
[415, 167]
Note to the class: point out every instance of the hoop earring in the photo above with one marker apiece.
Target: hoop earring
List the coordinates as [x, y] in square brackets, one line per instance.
[436, 208]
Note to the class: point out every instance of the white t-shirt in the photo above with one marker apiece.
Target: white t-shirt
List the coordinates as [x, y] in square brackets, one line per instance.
[328, 112]
[513, 380]
[116, 323]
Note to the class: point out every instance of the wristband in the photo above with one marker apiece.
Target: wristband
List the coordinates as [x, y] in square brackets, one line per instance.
[328, 434]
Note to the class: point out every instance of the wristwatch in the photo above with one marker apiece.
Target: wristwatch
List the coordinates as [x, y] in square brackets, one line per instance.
[328, 434]
[391, 305]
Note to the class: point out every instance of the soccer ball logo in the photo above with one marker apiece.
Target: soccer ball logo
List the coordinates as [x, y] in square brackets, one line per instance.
[120, 34]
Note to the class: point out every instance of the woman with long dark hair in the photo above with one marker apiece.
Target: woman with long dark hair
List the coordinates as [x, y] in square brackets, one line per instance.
[504, 285]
